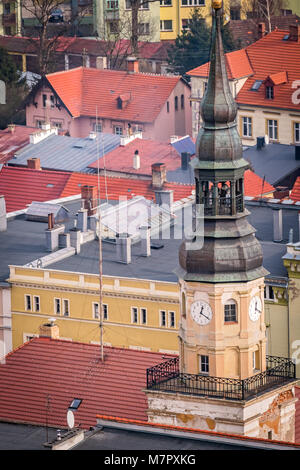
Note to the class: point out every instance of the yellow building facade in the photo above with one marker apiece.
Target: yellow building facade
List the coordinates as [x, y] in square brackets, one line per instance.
[138, 314]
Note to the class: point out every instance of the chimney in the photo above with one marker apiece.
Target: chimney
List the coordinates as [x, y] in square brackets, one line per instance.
[101, 63]
[52, 234]
[50, 221]
[3, 220]
[185, 159]
[82, 220]
[123, 248]
[49, 330]
[159, 175]
[294, 33]
[145, 232]
[34, 163]
[277, 225]
[136, 160]
[89, 199]
[297, 152]
[261, 30]
[11, 127]
[132, 65]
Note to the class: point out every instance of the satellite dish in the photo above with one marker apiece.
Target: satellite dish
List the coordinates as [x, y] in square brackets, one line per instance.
[70, 419]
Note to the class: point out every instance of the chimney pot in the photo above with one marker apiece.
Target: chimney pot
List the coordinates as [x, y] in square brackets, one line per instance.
[136, 160]
[89, 199]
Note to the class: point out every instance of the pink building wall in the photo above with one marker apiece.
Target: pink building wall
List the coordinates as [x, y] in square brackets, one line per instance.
[169, 122]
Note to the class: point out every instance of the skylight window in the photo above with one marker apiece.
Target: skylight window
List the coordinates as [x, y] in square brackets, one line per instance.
[286, 37]
[50, 185]
[75, 404]
[256, 85]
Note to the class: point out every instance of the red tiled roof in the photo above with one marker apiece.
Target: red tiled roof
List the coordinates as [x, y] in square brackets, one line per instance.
[255, 186]
[260, 57]
[64, 370]
[237, 65]
[295, 193]
[150, 151]
[20, 186]
[85, 91]
[116, 187]
[11, 141]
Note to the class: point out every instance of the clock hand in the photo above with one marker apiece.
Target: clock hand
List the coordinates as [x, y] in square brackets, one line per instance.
[204, 315]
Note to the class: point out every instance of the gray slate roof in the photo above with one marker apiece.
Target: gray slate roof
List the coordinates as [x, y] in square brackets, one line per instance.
[59, 152]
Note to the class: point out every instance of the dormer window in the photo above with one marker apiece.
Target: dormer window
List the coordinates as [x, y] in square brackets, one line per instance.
[269, 92]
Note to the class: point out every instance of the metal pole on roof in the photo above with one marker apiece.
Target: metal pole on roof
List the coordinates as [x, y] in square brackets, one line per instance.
[100, 253]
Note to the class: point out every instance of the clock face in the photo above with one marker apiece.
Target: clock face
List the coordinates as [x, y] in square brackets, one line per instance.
[201, 312]
[255, 308]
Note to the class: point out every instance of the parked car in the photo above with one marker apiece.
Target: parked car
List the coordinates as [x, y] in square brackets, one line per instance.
[56, 16]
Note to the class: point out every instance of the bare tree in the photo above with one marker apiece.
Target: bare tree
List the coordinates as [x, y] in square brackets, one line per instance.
[46, 41]
[136, 5]
[263, 10]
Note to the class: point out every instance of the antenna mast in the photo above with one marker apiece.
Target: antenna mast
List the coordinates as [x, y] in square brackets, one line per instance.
[100, 250]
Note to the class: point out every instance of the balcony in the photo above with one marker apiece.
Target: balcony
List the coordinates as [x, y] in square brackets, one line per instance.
[166, 377]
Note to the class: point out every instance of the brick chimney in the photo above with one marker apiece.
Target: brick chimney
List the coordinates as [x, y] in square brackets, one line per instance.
[132, 65]
[159, 175]
[49, 330]
[34, 163]
[89, 199]
[294, 33]
[261, 30]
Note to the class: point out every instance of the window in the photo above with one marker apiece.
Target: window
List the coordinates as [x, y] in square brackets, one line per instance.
[75, 404]
[144, 28]
[256, 85]
[230, 314]
[185, 23]
[182, 101]
[255, 360]
[168, 107]
[58, 125]
[134, 315]
[247, 126]
[105, 311]
[143, 316]
[176, 103]
[27, 302]
[112, 4]
[171, 319]
[97, 127]
[235, 13]
[6, 9]
[52, 101]
[44, 101]
[165, 3]
[36, 303]
[118, 130]
[269, 92]
[297, 132]
[166, 25]
[66, 307]
[144, 6]
[163, 320]
[204, 364]
[269, 293]
[39, 123]
[57, 308]
[96, 313]
[192, 3]
[273, 129]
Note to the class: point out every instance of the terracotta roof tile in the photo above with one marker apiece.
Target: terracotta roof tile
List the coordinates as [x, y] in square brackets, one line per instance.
[295, 194]
[12, 141]
[64, 370]
[255, 186]
[82, 90]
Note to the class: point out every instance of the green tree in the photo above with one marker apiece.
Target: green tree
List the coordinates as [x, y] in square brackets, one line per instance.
[16, 90]
[192, 46]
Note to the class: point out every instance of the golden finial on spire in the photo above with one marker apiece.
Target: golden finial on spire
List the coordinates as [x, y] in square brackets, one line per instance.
[217, 4]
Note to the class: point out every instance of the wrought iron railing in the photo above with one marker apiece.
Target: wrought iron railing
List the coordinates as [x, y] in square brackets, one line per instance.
[166, 377]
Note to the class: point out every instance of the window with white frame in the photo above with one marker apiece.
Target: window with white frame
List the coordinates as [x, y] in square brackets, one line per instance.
[247, 126]
[143, 28]
[39, 123]
[192, 3]
[269, 293]
[97, 127]
[297, 132]
[96, 313]
[36, 303]
[166, 25]
[144, 5]
[134, 315]
[171, 319]
[58, 125]
[163, 318]
[112, 4]
[105, 311]
[204, 364]
[165, 3]
[57, 306]
[143, 316]
[66, 306]
[269, 92]
[52, 101]
[273, 129]
[118, 130]
[27, 302]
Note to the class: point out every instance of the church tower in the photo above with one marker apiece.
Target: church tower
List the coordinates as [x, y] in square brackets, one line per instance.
[222, 379]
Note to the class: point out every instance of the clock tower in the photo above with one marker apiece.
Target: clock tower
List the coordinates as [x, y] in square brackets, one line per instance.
[221, 276]
[222, 379]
